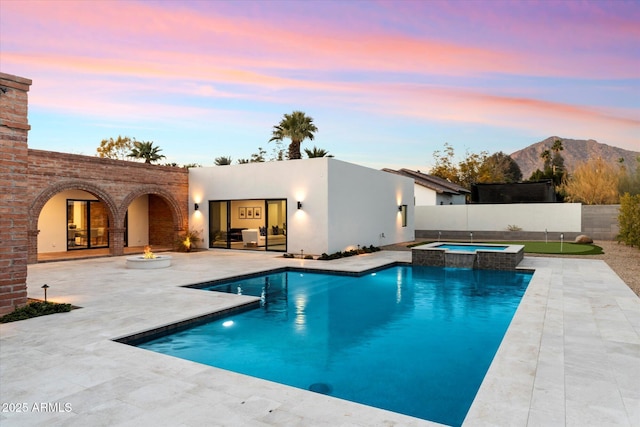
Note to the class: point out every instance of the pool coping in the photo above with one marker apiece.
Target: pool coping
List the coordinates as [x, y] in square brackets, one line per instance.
[570, 355]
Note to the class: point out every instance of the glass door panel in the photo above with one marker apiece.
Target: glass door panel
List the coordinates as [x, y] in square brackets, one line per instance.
[77, 223]
[87, 224]
[276, 222]
[219, 224]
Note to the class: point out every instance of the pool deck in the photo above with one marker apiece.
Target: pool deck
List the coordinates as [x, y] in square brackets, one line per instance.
[570, 357]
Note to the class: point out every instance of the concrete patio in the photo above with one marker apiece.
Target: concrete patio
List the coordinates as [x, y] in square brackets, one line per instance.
[570, 357]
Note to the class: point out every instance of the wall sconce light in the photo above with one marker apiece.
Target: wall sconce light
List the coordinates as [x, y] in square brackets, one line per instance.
[399, 208]
[299, 205]
[196, 206]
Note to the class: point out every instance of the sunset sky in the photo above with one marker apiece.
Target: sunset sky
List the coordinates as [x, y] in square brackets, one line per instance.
[387, 83]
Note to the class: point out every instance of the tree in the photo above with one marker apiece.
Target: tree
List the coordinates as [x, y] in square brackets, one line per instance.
[259, 156]
[316, 152]
[466, 173]
[145, 150]
[469, 169]
[223, 161]
[594, 182]
[115, 148]
[629, 181]
[629, 220]
[557, 161]
[444, 166]
[296, 126]
[500, 167]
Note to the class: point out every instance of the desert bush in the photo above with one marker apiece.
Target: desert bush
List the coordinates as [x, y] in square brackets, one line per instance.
[629, 220]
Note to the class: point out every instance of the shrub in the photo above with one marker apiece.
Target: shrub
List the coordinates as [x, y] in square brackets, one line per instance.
[352, 252]
[35, 309]
[629, 220]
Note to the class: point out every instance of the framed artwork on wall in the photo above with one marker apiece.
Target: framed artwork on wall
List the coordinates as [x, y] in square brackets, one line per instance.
[257, 213]
[249, 213]
[242, 213]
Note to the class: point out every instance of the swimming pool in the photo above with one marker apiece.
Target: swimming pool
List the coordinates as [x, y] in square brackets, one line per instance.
[413, 340]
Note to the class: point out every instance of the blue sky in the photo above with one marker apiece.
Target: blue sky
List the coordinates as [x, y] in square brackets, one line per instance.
[387, 83]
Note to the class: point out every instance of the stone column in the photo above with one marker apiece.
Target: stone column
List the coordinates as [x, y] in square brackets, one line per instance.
[14, 209]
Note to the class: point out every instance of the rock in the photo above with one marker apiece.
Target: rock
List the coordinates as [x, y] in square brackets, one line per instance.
[583, 238]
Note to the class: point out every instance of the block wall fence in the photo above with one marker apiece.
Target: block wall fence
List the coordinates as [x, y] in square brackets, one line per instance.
[491, 222]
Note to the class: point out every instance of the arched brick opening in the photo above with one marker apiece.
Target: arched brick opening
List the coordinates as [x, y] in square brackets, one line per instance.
[36, 208]
[166, 217]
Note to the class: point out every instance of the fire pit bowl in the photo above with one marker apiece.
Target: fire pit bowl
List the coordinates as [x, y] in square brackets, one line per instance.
[142, 263]
[148, 261]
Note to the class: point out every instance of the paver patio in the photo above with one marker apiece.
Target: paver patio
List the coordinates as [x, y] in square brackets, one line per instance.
[570, 357]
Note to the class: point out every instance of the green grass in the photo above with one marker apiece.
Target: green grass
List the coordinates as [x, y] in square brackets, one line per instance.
[548, 248]
[554, 248]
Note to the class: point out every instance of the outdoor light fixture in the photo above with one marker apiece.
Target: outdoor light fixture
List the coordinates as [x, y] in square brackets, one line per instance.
[45, 287]
[399, 208]
[299, 205]
[196, 206]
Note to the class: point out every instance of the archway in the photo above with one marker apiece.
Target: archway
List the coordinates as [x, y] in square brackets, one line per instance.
[60, 229]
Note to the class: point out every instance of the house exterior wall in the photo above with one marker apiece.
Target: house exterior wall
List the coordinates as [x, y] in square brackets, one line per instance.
[334, 196]
[296, 180]
[428, 197]
[363, 207]
[425, 196]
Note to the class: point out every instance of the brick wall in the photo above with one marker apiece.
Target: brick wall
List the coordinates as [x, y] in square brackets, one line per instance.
[14, 128]
[116, 183]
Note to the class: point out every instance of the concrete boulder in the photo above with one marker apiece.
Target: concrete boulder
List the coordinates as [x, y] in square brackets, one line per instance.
[583, 238]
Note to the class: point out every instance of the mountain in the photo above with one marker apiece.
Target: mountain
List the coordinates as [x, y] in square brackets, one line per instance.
[575, 151]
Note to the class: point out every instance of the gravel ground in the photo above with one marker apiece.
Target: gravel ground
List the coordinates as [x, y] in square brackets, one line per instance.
[623, 259]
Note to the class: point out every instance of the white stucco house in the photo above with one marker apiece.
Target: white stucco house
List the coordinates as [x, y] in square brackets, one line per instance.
[431, 190]
[314, 206]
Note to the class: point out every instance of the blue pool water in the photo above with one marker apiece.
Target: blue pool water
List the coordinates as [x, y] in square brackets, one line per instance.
[470, 248]
[414, 340]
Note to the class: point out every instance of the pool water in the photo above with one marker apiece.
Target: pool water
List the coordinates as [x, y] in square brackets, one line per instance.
[470, 247]
[413, 340]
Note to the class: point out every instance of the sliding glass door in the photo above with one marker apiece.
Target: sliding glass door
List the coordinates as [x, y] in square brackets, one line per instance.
[262, 223]
[87, 224]
[276, 223]
[219, 224]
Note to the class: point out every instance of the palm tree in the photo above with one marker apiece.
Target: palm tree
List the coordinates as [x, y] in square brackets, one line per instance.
[145, 150]
[297, 126]
[546, 156]
[317, 152]
[223, 161]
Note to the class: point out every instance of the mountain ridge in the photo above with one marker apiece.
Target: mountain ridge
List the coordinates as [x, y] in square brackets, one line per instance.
[575, 151]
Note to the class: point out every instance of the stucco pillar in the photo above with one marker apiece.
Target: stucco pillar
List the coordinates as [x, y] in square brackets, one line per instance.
[14, 211]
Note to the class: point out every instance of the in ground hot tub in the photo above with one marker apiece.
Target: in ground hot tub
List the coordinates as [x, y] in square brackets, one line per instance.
[468, 255]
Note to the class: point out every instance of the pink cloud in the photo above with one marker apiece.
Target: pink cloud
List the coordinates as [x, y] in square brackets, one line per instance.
[177, 34]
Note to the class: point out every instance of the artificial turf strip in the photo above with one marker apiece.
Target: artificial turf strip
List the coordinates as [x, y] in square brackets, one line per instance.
[554, 248]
